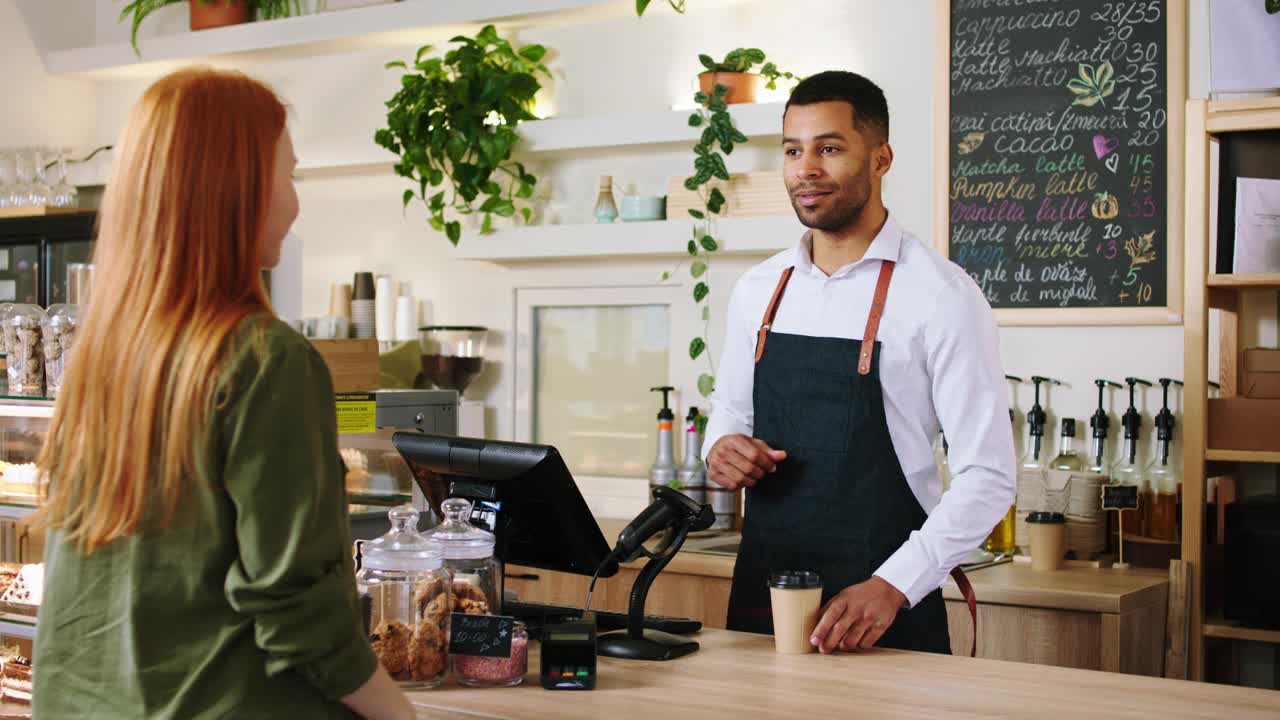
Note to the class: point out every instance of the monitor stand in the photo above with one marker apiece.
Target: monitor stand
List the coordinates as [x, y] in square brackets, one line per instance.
[636, 643]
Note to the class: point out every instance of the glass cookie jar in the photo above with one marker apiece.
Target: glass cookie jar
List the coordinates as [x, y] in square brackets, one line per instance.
[403, 574]
[468, 555]
[59, 330]
[22, 339]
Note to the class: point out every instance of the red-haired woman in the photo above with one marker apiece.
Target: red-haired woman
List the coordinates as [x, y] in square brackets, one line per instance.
[198, 562]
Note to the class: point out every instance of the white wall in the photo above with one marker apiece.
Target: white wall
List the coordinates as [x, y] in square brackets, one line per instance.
[619, 64]
[35, 107]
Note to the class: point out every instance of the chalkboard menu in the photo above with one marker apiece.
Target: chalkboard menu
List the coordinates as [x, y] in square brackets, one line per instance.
[1058, 142]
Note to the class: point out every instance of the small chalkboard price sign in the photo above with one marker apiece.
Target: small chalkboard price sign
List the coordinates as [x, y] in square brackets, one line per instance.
[1059, 156]
[1120, 498]
[481, 635]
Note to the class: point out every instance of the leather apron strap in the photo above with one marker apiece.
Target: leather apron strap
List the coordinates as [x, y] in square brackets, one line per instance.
[873, 317]
[966, 589]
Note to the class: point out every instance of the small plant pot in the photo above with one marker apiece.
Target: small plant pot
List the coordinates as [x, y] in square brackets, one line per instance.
[742, 86]
[218, 13]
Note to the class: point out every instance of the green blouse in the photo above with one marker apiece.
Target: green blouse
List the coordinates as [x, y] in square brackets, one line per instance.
[245, 606]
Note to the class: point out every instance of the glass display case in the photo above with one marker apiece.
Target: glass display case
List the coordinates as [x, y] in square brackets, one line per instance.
[377, 477]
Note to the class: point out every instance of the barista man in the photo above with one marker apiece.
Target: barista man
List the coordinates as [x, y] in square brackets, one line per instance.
[843, 357]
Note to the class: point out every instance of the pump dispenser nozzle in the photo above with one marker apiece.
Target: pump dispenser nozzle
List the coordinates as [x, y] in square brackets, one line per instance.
[665, 413]
[1132, 421]
[1036, 416]
[1164, 420]
[1101, 423]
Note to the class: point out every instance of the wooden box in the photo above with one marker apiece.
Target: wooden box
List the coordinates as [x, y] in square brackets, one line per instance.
[1261, 374]
[1244, 424]
[751, 194]
[353, 364]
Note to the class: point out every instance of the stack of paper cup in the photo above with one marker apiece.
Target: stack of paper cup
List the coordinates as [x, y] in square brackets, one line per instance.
[385, 310]
[362, 306]
[340, 300]
[406, 319]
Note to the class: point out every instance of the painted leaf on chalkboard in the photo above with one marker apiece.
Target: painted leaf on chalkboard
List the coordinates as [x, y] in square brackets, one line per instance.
[1141, 249]
[1093, 85]
[971, 142]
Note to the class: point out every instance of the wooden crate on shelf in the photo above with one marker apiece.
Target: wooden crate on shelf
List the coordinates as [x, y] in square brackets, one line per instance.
[753, 194]
[353, 364]
[37, 211]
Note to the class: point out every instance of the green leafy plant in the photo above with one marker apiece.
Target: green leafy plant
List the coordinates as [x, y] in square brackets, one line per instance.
[719, 137]
[138, 10]
[1273, 7]
[642, 5]
[742, 60]
[454, 118]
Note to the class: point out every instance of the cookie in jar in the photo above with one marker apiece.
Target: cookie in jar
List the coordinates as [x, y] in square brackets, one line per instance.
[58, 336]
[403, 574]
[23, 340]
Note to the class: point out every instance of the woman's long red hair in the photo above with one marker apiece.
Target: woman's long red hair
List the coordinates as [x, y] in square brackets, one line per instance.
[178, 267]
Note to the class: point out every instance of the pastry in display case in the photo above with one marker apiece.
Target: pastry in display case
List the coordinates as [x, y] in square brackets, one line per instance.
[377, 476]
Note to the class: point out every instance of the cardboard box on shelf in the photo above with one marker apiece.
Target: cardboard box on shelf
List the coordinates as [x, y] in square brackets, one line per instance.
[1240, 423]
[1260, 373]
[353, 364]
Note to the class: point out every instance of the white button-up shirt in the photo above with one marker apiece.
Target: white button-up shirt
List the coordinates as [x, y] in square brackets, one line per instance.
[939, 369]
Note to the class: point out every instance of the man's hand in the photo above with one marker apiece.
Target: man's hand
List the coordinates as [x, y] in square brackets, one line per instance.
[858, 616]
[737, 460]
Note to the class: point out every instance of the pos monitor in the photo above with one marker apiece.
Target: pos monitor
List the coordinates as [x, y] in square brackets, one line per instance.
[524, 492]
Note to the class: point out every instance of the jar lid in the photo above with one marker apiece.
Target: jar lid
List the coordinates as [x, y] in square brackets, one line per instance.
[461, 540]
[1046, 517]
[795, 580]
[403, 547]
[62, 314]
[25, 316]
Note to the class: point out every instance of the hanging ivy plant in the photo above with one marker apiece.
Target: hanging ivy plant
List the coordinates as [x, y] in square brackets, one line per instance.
[719, 137]
[454, 120]
[642, 5]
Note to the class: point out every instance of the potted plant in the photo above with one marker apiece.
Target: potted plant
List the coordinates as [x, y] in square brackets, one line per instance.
[207, 14]
[734, 73]
[718, 136]
[454, 119]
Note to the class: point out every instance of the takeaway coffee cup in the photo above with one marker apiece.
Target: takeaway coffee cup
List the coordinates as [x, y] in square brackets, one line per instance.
[1048, 532]
[796, 596]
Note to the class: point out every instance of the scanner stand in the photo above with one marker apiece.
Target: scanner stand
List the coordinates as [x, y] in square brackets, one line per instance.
[636, 643]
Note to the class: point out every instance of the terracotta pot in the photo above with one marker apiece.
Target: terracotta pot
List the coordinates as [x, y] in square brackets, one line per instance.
[742, 86]
[218, 13]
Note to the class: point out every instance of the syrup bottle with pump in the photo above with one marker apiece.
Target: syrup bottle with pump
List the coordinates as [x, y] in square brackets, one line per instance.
[1163, 477]
[1031, 471]
[693, 473]
[1101, 425]
[663, 471]
[1127, 471]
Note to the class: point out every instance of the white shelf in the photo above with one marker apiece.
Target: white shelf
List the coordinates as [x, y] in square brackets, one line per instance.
[759, 236]
[10, 510]
[563, 134]
[18, 626]
[395, 24]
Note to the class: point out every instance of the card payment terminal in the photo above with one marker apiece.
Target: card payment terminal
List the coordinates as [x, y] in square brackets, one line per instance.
[569, 655]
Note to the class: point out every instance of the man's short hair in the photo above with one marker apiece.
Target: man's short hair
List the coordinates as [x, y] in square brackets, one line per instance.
[870, 110]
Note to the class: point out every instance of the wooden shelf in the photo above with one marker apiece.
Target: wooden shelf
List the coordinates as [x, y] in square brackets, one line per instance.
[1221, 628]
[1244, 456]
[664, 238]
[563, 134]
[395, 24]
[37, 211]
[1269, 281]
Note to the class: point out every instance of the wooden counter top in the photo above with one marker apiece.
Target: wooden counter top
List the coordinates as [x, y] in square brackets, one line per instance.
[1093, 590]
[737, 675]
